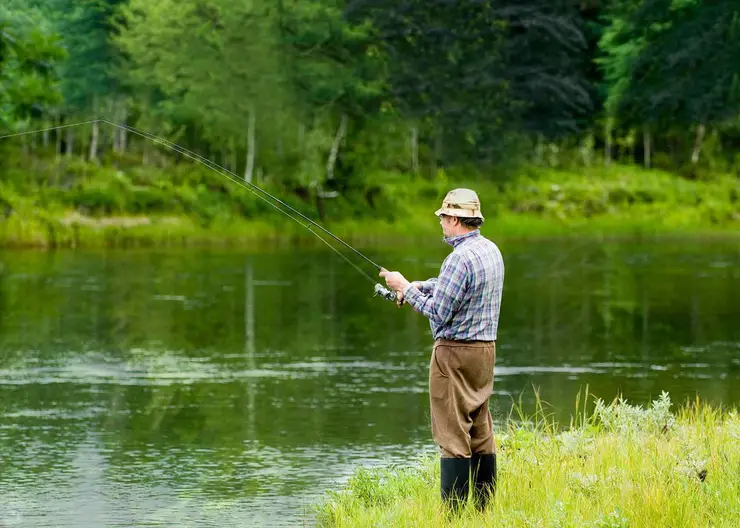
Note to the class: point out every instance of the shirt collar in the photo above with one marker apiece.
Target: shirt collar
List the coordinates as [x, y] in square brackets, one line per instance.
[455, 241]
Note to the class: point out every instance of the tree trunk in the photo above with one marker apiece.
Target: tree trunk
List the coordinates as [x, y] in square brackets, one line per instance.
[438, 145]
[647, 145]
[116, 134]
[45, 139]
[251, 147]
[700, 131]
[415, 150]
[70, 142]
[123, 133]
[58, 137]
[608, 143]
[94, 142]
[58, 144]
[539, 151]
[332, 161]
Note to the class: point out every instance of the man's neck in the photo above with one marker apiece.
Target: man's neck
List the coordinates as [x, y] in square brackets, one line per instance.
[453, 240]
[460, 230]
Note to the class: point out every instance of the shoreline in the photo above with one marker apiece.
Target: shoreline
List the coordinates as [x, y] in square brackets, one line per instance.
[184, 207]
[74, 231]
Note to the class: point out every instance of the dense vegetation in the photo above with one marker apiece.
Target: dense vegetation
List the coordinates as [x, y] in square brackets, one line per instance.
[345, 100]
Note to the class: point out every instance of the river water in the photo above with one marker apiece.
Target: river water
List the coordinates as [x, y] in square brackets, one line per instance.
[227, 388]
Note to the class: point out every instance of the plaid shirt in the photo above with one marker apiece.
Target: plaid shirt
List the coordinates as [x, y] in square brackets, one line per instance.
[463, 303]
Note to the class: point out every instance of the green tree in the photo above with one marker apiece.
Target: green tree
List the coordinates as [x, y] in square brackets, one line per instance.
[674, 64]
[28, 54]
[210, 65]
[479, 72]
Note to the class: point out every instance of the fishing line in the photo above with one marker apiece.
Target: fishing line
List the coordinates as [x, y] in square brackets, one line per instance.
[235, 179]
[251, 188]
[165, 142]
[208, 163]
[51, 128]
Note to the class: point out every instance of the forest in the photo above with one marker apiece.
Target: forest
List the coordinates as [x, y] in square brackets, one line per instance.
[329, 98]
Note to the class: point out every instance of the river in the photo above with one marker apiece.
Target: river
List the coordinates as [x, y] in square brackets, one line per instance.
[233, 388]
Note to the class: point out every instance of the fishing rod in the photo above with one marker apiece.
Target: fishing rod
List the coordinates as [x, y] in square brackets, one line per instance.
[379, 289]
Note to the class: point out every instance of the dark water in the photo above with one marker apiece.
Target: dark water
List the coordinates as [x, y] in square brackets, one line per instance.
[219, 388]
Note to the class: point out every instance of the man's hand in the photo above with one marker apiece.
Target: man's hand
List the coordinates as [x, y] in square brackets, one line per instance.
[394, 280]
[399, 295]
[399, 299]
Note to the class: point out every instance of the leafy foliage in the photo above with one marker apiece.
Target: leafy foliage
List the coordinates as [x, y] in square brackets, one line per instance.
[674, 62]
[27, 77]
[319, 95]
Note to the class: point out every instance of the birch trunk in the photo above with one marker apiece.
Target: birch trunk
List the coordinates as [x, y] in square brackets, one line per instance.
[415, 149]
[70, 142]
[437, 148]
[331, 162]
[539, 150]
[94, 142]
[123, 133]
[647, 146]
[116, 132]
[608, 144]
[58, 138]
[251, 147]
[700, 131]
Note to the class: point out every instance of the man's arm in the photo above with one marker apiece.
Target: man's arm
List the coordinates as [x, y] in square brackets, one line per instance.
[442, 302]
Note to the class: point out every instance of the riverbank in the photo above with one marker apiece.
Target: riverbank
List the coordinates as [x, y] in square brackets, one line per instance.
[621, 466]
[101, 206]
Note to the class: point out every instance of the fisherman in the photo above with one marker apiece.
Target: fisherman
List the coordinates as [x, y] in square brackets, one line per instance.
[462, 305]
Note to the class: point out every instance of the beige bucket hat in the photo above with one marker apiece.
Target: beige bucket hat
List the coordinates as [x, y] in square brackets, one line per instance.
[461, 202]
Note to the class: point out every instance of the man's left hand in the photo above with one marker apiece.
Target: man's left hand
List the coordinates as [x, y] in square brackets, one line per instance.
[394, 280]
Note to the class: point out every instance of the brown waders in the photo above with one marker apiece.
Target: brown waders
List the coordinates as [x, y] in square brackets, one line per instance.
[460, 384]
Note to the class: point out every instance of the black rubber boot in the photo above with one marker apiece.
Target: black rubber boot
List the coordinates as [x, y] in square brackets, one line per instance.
[454, 480]
[483, 468]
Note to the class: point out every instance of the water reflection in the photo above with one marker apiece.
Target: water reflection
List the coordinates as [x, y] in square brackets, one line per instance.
[217, 388]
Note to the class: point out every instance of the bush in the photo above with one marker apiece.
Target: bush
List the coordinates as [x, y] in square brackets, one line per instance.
[146, 199]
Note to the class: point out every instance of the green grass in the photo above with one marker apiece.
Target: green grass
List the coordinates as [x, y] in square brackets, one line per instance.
[86, 205]
[619, 466]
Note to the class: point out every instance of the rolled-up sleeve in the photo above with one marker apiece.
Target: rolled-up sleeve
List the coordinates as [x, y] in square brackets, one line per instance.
[445, 297]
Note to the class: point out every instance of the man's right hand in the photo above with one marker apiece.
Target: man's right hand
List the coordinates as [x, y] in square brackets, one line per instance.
[399, 295]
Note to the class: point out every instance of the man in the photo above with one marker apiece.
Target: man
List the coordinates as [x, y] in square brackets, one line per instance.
[462, 305]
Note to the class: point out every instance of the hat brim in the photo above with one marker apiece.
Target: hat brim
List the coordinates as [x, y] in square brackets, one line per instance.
[463, 213]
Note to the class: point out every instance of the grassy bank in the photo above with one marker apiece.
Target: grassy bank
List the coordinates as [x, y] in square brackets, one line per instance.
[80, 205]
[621, 466]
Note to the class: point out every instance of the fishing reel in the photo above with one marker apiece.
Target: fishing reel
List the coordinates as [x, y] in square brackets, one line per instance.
[384, 292]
